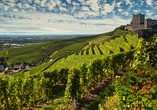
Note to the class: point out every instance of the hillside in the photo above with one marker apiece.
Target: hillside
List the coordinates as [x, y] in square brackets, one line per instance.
[50, 50]
[119, 44]
[80, 72]
[45, 52]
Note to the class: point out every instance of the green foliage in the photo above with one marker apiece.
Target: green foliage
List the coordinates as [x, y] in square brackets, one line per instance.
[133, 41]
[121, 43]
[90, 51]
[72, 89]
[96, 50]
[120, 33]
[61, 54]
[37, 88]
[2, 53]
[85, 52]
[137, 89]
[103, 49]
[146, 53]
[75, 46]
[115, 49]
[93, 73]
[30, 90]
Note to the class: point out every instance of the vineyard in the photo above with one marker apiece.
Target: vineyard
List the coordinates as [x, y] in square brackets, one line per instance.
[51, 50]
[85, 55]
[45, 51]
[83, 69]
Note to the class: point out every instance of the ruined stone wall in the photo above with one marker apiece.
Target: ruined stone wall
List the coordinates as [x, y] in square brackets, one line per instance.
[145, 23]
[128, 28]
[152, 23]
[149, 23]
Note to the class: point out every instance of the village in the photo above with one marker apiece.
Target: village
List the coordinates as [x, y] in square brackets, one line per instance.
[17, 68]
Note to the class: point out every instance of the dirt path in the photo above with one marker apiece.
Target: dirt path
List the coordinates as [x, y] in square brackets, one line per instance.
[90, 96]
[94, 92]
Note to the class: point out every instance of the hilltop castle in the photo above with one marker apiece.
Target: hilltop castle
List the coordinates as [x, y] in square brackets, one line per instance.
[139, 22]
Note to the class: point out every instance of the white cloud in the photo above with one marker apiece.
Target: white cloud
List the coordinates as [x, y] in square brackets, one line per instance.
[93, 4]
[30, 1]
[26, 5]
[141, 2]
[37, 1]
[12, 1]
[69, 25]
[43, 2]
[118, 4]
[11, 4]
[6, 8]
[126, 13]
[149, 2]
[19, 5]
[51, 5]
[1, 6]
[108, 8]
[128, 2]
[155, 2]
[74, 8]
[58, 2]
[75, 3]
[149, 13]
[90, 8]
[85, 8]
[69, 1]
[136, 11]
[120, 10]
[93, 14]
[81, 1]
[15, 10]
[62, 9]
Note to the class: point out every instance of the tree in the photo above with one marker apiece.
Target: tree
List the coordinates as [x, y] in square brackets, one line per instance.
[149, 18]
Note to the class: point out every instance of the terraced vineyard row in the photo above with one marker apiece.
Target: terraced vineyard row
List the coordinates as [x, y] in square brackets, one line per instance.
[96, 51]
[132, 41]
[113, 46]
[121, 43]
[86, 55]
[73, 60]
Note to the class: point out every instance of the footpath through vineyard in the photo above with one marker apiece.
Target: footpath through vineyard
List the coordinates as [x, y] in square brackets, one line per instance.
[90, 96]
[94, 92]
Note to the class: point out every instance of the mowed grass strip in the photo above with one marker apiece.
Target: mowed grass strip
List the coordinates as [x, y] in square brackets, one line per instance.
[75, 46]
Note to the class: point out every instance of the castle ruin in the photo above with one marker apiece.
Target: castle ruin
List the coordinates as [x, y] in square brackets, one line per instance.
[139, 22]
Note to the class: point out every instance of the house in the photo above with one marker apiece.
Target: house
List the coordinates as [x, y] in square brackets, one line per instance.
[6, 69]
[1, 68]
[19, 67]
[28, 67]
[36, 64]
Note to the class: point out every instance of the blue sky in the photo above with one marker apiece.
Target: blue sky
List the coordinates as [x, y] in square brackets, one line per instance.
[70, 16]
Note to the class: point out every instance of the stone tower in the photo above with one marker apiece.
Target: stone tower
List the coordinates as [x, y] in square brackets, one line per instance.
[138, 21]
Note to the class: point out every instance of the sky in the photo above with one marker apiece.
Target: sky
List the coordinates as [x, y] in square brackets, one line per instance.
[70, 16]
